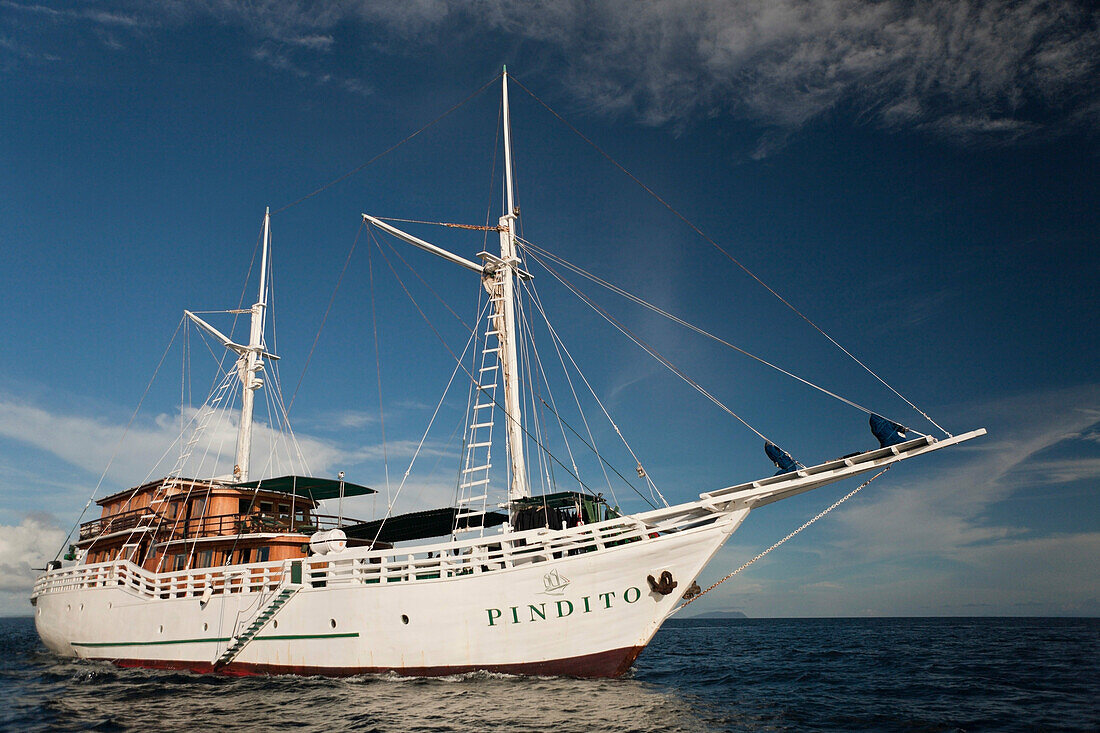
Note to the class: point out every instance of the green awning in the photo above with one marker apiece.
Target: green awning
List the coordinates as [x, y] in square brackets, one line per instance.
[317, 489]
[418, 525]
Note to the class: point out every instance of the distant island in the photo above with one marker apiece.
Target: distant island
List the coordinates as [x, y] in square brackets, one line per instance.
[719, 615]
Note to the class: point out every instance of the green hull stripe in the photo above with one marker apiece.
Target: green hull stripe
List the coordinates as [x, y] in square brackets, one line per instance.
[282, 637]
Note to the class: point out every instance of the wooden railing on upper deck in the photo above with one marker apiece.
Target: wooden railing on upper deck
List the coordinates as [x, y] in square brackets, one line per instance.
[212, 526]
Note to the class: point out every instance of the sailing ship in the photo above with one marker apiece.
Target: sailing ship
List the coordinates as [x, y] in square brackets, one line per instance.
[244, 575]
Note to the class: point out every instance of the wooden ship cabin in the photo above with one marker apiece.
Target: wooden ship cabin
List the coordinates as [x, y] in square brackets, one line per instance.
[184, 524]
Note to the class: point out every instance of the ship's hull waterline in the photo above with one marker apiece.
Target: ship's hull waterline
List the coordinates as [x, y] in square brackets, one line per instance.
[588, 614]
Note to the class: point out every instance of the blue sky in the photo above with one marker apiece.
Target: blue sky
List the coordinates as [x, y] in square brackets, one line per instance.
[921, 181]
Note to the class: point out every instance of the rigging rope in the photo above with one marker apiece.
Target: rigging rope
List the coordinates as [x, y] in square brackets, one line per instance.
[185, 323]
[649, 349]
[458, 365]
[603, 461]
[552, 405]
[816, 517]
[378, 372]
[331, 300]
[718, 247]
[118, 445]
[470, 374]
[690, 326]
[388, 150]
[559, 347]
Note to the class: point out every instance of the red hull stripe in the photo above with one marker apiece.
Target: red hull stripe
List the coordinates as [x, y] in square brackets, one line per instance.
[611, 663]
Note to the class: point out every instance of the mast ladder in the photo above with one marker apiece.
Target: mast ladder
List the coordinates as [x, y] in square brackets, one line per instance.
[479, 431]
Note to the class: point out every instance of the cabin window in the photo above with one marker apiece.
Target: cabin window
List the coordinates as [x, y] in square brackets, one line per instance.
[198, 508]
[244, 506]
[263, 554]
[300, 515]
[179, 562]
[205, 559]
[266, 507]
[244, 556]
[284, 509]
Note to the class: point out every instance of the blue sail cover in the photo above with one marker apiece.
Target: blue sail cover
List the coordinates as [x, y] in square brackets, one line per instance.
[781, 458]
[888, 432]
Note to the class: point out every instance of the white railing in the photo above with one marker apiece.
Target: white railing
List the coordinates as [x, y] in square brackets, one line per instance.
[187, 584]
[422, 563]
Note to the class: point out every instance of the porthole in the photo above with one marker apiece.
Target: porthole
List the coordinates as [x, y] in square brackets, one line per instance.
[68, 607]
[332, 622]
[160, 629]
[110, 605]
[81, 606]
[404, 619]
[205, 627]
[275, 624]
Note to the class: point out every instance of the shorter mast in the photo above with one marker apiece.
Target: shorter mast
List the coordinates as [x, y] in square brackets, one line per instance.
[251, 362]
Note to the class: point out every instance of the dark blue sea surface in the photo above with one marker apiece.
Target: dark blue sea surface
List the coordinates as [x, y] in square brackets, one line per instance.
[909, 674]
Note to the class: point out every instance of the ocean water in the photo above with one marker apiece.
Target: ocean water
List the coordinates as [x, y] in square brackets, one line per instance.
[739, 675]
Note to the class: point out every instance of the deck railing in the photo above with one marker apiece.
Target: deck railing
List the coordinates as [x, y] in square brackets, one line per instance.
[172, 528]
[114, 523]
[423, 563]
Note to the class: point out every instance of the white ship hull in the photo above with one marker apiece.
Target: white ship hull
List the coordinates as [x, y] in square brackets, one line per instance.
[592, 617]
[574, 601]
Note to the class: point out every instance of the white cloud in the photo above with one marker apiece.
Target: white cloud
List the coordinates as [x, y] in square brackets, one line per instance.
[83, 15]
[152, 447]
[315, 41]
[23, 548]
[928, 545]
[961, 68]
[943, 513]
[966, 70]
[282, 59]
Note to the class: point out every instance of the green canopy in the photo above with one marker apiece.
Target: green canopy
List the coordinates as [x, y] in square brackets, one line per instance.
[419, 525]
[317, 489]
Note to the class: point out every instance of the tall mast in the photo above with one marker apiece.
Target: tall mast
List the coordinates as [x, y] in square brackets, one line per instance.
[506, 317]
[250, 363]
